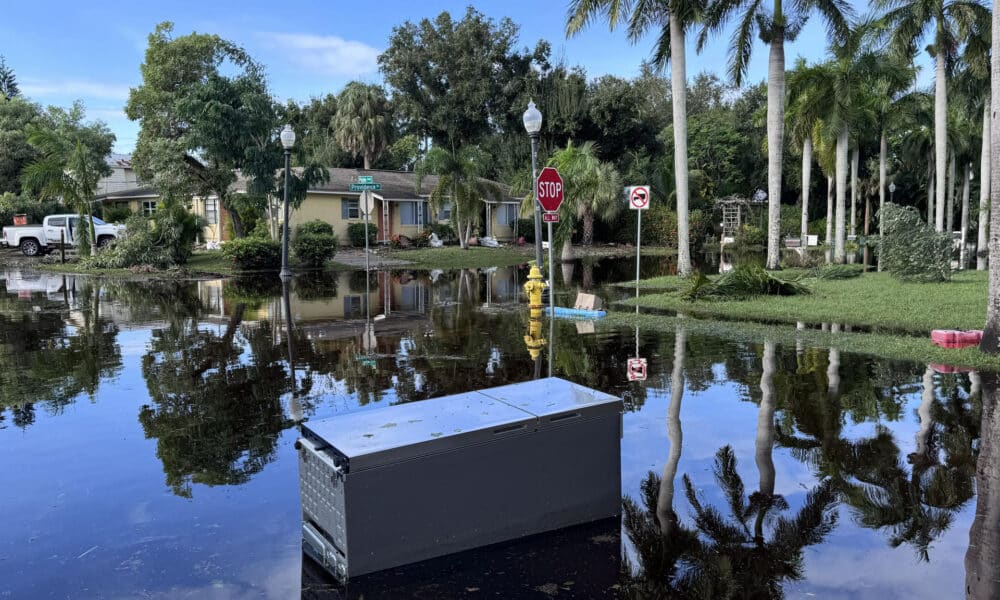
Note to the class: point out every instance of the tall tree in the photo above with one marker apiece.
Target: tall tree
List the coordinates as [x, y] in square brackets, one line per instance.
[774, 27]
[460, 183]
[71, 160]
[991, 333]
[671, 20]
[16, 114]
[8, 82]
[363, 122]
[947, 23]
[204, 113]
[458, 81]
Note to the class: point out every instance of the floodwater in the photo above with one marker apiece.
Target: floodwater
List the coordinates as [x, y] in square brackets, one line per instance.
[147, 445]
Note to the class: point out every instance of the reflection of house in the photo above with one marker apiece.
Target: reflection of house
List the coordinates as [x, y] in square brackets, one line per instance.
[399, 208]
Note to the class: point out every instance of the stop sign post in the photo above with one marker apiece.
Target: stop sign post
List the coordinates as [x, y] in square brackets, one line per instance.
[549, 192]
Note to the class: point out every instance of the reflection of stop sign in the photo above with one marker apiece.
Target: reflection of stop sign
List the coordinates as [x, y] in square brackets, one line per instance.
[549, 189]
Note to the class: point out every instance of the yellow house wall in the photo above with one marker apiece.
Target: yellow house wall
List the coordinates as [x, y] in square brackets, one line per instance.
[397, 222]
[325, 207]
[210, 233]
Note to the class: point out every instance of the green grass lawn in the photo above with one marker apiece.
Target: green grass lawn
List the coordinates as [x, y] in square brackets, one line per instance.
[201, 263]
[873, 300]
[661, 284]
[901, 347]
[454, 257]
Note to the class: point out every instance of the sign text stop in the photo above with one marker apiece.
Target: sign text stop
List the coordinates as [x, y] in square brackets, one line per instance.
[549, 189]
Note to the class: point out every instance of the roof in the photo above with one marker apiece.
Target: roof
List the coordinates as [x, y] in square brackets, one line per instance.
[396, 185]
[119, 160]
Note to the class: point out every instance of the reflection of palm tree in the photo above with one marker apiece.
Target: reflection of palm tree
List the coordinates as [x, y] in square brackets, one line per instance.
[665, 503]
[982, 560]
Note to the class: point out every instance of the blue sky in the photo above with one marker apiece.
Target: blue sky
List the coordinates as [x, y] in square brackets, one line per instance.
[62, 50]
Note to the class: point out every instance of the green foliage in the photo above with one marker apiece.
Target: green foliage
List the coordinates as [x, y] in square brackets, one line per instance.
[116, 214]
[526, 228]
[35, 210]
[750, 236]
[317, 285]
[253, 253]
[314, 243]
[16, 114]
[837, 272]
[744, 281]
[363, 122]
[444, 231]
[137, 247]
[356, 234]
[910, 249]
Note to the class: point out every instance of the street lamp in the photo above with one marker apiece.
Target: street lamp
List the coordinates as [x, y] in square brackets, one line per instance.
[892, 190]
[533, 124]
[287, 142]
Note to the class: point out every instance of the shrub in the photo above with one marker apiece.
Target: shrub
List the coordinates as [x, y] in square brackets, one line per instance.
[526, 229]
[356, 234]
[314, 243]
[445, 232]
[838, 271]
[253, 253]
[750, 236]
[36, 210]
[910, 249]
[138, 246]
[744, 281]
[116, 214]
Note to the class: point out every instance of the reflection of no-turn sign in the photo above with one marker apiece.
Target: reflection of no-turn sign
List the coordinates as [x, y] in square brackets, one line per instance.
[638, 197]
[637, 369]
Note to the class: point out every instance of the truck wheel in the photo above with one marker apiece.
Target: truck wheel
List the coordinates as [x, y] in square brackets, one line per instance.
[104, 241]
[30, 247]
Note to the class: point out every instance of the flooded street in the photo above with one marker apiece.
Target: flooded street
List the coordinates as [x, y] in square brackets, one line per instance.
[147, 433]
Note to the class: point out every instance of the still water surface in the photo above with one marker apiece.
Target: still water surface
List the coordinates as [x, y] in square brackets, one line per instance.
[147, 431]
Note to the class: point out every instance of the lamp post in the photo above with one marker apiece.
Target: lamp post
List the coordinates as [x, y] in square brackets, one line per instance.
[533, 124]
[287, 142]
[892, 190]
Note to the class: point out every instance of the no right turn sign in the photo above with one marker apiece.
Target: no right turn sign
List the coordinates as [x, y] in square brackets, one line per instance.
[638, 197]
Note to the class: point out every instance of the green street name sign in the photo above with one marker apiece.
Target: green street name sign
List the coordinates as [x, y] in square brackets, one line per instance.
[365, 187]
[366, 179]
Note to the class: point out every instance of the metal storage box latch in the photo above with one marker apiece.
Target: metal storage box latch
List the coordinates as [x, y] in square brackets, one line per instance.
[314, 451]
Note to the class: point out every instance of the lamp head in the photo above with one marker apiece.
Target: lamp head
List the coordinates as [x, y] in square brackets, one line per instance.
[532, 118]
[287, 137]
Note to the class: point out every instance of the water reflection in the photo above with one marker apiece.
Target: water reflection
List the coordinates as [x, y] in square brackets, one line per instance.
[177, 395]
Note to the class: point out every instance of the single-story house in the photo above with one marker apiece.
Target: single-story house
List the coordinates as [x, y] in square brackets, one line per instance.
[400, 208]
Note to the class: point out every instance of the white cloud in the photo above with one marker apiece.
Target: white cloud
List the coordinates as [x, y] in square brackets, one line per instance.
[73, 88]
[327, 54]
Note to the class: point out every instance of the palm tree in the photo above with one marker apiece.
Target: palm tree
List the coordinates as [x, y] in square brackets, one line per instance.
[949, 21]
[991, 333]
[460, 182]
[363, 122]
[70, 164]
[672, 18]
[802, 117]
[592, 190]
[773, 26]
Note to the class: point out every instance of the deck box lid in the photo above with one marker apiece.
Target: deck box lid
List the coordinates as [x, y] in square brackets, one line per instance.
[553, 397]
[380, 436]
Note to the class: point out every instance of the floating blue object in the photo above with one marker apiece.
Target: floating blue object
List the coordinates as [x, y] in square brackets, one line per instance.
[575, 313]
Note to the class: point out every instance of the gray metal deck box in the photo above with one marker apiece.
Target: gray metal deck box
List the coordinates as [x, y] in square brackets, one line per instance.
[396, 485]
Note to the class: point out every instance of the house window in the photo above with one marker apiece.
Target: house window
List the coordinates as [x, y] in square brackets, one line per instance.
[148, 207]
[507, 214]
[408, 213]
[354, 306]
[445, 213]
[212, 211]
[349, 208]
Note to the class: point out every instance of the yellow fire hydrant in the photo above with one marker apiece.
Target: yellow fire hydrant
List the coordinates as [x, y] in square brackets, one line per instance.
[533, 288]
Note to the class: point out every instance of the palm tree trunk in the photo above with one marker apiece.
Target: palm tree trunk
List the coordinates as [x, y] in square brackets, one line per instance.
[588, 227]
[829, 219]
[930, 193]
[868, 218]
[855, 159]
[949, 214]
[982, 559]
[940, 138]
[963, 252]
[883, 151]
[678, 90]
[924, 414]
[991, 333]
[665, 500]
[567, 249]
[368, 161]
[841, 173]
[807, 148]
[764, 444]
[984, 192]
[775, 139]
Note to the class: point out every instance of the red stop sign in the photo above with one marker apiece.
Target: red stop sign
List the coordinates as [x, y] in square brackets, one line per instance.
[549, 189]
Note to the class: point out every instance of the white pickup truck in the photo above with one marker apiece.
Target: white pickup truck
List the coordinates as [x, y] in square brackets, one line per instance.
[55, 229]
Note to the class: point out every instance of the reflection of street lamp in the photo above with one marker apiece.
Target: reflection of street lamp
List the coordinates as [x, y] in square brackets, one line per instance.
[287, 142]
[533, 124]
